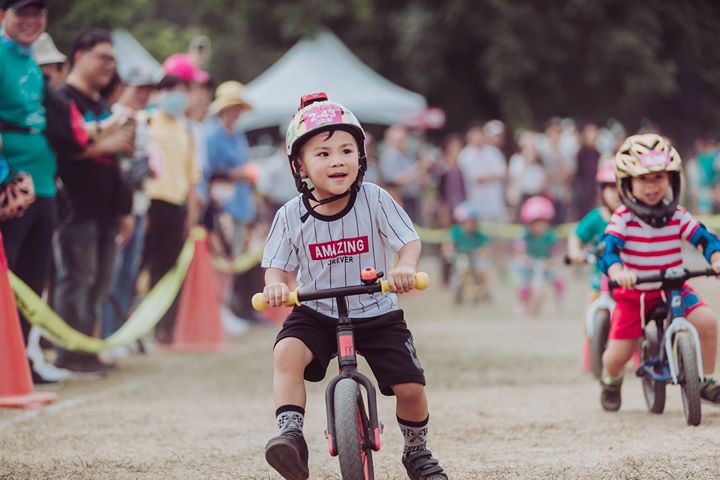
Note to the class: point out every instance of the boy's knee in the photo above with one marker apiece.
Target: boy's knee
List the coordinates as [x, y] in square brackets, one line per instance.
[704, 320]
[409, 391]
[291, 352]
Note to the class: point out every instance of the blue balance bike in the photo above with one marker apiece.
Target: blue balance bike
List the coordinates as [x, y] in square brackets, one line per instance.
[670, 350]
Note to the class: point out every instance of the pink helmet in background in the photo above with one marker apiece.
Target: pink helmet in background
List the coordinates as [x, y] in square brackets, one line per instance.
[537, 208]
[606, 173]
[182, 66]
[465, 211]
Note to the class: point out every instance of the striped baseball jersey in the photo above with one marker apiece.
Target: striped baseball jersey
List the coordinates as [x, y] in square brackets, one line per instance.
[647, 250]
[331, 251]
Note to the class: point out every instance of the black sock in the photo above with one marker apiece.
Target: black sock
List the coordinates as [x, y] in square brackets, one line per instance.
[290, 417]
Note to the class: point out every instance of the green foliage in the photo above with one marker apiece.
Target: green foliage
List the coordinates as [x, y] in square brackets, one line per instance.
[521, 60]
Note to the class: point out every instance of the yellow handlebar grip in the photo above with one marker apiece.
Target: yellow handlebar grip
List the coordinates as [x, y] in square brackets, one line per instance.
[422, 281]
[293, 298]
[259, 303]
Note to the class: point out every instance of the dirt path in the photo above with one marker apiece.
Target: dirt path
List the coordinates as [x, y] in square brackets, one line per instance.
[507, 401]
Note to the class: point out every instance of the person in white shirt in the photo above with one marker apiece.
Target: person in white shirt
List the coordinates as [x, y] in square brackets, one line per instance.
[485, 170]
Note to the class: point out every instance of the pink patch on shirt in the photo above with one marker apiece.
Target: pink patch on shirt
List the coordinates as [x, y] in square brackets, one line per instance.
[654, 159]
[321, 115]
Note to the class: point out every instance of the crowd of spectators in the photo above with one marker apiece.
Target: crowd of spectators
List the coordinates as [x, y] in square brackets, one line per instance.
[124, 164]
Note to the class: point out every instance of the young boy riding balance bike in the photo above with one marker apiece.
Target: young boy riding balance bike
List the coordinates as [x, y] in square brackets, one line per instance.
[645, 237]
[328, 233]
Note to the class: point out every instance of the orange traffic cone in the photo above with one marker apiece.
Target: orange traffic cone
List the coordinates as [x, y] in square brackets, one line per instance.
[198, 327]
[16, 388]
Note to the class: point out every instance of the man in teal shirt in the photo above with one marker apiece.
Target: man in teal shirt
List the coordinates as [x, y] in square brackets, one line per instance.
[27, 239]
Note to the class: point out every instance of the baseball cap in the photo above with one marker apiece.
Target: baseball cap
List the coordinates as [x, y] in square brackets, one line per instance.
[18, 4]
[181, 66]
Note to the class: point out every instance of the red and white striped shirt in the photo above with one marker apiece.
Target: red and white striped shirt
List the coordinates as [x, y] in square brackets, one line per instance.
[648, 250]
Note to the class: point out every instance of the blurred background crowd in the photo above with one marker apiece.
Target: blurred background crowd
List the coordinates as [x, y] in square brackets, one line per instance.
[127, 154]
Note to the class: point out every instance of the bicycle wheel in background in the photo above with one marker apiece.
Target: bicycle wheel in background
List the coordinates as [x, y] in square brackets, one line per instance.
[598, 340]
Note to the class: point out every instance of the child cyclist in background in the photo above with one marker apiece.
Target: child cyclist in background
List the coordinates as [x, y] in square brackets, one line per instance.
[535, 255]
[325, 146]
[466, 241]
[644, 237]
[590, 230]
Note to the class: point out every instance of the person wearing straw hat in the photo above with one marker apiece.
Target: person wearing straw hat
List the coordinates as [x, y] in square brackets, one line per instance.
[51, 61]
[227, 151]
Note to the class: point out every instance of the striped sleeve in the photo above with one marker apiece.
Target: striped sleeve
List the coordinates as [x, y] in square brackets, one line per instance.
[395, 227]
[279, 252]
[618, 223]
[688, 225]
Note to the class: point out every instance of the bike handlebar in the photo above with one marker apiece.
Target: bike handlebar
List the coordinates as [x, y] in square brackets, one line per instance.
[422, 281]
[589, 259]
[673, 275]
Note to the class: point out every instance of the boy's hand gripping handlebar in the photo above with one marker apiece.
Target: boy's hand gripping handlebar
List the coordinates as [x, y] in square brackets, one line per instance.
[422, 281]
[671, 277]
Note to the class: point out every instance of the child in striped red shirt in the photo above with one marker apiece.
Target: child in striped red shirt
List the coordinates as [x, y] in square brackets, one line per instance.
[645, 237]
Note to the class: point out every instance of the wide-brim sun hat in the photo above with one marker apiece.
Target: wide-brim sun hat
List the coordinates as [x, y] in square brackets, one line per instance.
[46, 53]
[229, 94]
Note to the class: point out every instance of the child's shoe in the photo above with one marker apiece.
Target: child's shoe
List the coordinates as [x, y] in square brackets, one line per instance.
[288, 454]
[610, 394]
[710, 391]
[421, 465]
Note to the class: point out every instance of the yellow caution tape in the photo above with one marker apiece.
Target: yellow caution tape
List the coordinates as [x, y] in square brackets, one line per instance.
[241, 264]
[514, 230]
[142, 321]
[497, 230]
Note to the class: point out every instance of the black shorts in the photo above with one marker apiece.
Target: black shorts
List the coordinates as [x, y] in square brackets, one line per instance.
[384, 341]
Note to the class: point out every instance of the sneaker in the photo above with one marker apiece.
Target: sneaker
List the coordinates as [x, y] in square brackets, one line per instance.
[710, 391]
[83, 363]
[421, 465]
[288, 454]
[610, 395]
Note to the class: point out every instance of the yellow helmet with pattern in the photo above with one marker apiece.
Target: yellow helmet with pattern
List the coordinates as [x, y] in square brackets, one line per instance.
[646, 153]
[640, 155]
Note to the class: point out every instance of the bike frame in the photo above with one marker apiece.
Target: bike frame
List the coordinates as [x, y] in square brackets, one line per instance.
[674, 323]
[347, 361]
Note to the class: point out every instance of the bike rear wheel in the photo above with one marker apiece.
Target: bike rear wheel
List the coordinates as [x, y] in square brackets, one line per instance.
[654, 391]
[598, 340]
[689, 378]
[354, 452]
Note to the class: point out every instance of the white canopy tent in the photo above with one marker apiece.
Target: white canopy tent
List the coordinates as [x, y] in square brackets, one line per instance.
[324, 64]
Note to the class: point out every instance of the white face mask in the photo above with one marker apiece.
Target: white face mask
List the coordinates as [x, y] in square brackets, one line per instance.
[222, 192]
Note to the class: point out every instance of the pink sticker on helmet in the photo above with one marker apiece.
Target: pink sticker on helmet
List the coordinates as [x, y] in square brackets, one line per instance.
[321, 115]
[654, 159]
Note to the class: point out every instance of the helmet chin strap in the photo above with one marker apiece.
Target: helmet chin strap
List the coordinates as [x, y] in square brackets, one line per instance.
[324, 201]
[306, 191]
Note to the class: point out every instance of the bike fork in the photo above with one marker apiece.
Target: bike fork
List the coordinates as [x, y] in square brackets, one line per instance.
[372, 430]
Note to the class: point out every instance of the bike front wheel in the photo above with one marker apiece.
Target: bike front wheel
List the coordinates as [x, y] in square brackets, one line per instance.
[653, 391]
[689, 378]
[351, 423]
